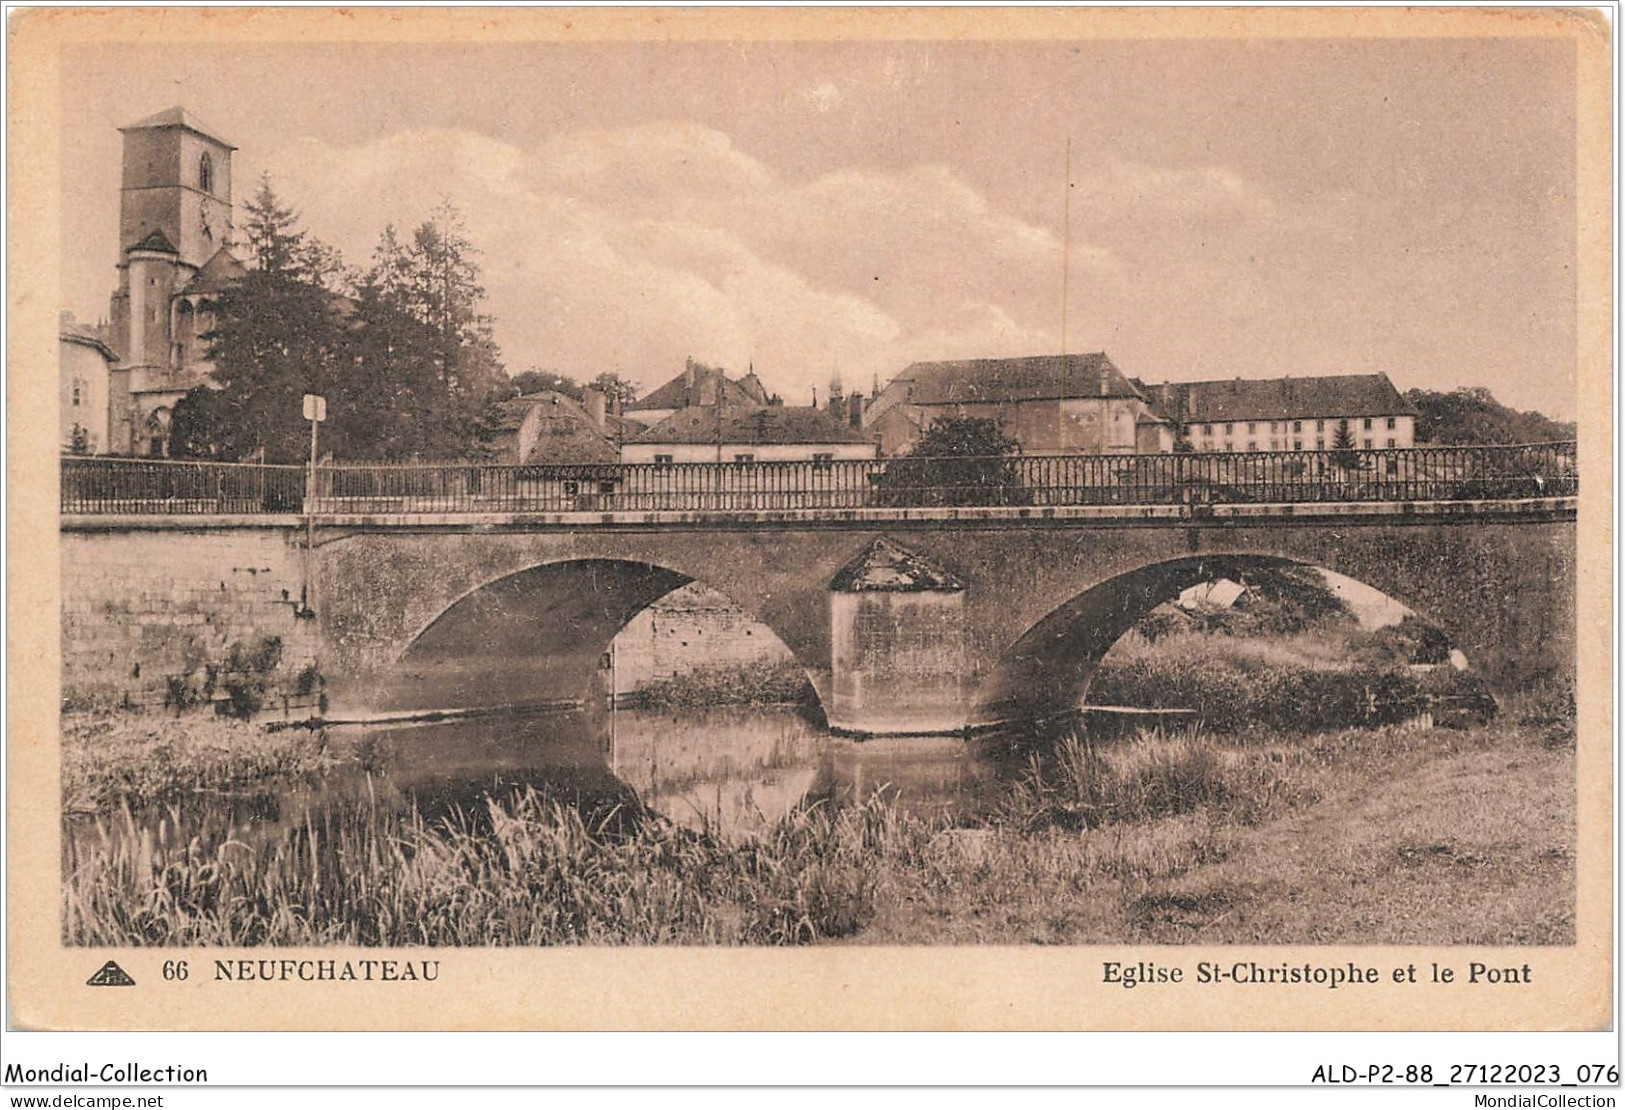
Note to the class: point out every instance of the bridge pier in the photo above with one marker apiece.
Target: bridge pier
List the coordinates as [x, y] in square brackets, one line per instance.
[897, 646]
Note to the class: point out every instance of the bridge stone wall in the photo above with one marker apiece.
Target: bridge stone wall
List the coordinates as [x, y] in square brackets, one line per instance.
[1505, 593]
[169, 600]
[142, 607]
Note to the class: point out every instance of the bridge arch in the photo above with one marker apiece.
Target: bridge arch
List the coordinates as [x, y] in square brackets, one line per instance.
[529, 637]
[1047, 671]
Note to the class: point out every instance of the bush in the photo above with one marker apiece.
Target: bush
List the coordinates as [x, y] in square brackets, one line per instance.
[1234, 693]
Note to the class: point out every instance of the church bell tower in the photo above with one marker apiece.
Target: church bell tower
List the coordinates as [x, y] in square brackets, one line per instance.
[177, 180]
[175, 216]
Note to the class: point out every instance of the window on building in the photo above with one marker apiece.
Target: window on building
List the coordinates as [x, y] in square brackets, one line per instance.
[1366, 423]
[572, 488]
[1252, 445]
[205, 173]
[1207, 429]
[823, 460]
[1275, 444]
[1320, 425]
[78, 392]
[1297, 425]
[745, 458]
[1320, 443]
[1251, 428]
[1390, 423]
[1367, 443]
[1228, 446]
[1391, 441]
[663, 461]
[1229, 429]
[606, 487]
[1297, 445]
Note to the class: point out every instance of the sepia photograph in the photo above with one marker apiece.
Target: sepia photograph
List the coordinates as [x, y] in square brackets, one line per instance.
[1080, 515]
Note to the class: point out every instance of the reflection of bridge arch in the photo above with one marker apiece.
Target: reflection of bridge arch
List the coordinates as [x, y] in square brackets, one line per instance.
[1047, 671]
[528, 637]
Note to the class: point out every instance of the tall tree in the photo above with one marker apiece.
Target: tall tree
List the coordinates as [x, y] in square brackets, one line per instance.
[402, 352]
[957, 461]
[1473, 415]
[277, 245]
[279, 333]
[435, 278]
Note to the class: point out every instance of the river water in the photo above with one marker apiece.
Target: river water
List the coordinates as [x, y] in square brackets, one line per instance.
[736, 770]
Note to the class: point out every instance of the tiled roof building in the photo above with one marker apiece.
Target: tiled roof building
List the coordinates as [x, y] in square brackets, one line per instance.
[1048, 403]
[1287, 414]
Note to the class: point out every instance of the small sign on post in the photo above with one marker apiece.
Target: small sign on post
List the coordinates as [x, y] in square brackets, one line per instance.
[315, 412]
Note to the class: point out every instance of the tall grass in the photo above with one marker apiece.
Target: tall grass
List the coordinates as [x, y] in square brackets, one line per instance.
[525, 871]
[110, 759]
[1079, 783]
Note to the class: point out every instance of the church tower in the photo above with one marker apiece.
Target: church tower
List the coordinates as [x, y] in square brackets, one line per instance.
[177, 180]
[175, 218]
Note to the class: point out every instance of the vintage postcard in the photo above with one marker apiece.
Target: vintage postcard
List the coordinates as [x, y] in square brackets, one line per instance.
[810, 519]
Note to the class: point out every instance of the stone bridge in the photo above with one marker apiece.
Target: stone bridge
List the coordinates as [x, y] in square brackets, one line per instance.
[959, 616]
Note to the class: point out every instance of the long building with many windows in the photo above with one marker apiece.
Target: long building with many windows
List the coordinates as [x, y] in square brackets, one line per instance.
[1287, 414]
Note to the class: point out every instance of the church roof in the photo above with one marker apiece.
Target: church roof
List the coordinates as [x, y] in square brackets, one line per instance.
[218, 272]
[156, 240]
[177, 117]
[996, 380]
[754, 424]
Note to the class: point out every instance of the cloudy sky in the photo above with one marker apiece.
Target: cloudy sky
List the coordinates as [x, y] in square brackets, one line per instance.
[1237, 209]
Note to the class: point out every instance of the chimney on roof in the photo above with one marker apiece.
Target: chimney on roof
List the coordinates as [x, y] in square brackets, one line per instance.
[854, 410]
[596, 403]
[688, 375]
[710, 389]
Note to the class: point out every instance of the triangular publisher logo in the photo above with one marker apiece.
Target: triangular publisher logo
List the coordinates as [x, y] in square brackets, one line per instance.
[111, 975]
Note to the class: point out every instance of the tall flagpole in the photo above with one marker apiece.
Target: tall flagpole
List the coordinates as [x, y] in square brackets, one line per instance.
[1066, 240]
[1066, 272]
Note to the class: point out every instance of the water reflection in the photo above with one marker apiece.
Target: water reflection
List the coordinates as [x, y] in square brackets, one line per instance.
[736, 770]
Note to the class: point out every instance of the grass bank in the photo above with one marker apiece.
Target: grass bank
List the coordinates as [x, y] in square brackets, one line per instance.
[1387, 835]
[113, 759]
[763, 682]
[1331, 677]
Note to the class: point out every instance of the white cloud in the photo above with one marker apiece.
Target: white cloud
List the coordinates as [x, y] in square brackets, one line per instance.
[635, 248]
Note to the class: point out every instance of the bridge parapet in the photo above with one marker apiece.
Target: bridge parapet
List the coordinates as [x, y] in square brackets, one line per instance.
[1124, 486]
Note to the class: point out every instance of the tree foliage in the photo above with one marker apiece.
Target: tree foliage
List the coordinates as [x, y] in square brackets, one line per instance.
[617, 389]
[957, 461]
[401, 352]
[1475, 416]
[435, 279]
[1343, 452]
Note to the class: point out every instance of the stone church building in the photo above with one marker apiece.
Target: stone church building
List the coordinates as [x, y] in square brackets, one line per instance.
[175, 231]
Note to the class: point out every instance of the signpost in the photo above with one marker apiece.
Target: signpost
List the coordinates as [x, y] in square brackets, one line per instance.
[315, 412]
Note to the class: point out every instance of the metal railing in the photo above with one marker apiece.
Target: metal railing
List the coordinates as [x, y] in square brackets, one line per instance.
[174, 487]
[1467, 473]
